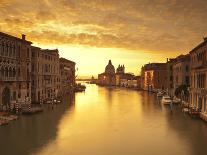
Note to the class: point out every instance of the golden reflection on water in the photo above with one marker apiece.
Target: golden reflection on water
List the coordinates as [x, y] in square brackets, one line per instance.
[107, 121]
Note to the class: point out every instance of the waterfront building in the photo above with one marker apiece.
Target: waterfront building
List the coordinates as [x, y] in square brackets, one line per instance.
[128, 80]
[67, 70]
[108, 78]
[169, 82]
[181, 71]
[198, 74]
[15, 69]
[45, 74]
[153, 76]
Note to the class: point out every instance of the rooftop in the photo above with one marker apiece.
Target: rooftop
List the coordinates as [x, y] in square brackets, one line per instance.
[199, 45]
[19, 39]
[66, 60]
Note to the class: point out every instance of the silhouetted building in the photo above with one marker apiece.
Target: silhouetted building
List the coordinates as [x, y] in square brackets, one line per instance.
[120, 69]
[108, 77]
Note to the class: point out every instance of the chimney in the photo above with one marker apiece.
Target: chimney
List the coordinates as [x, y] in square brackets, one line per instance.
[23, 36]
[167, 59]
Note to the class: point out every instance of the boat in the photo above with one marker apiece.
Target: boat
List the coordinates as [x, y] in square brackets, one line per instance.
[48, 102]
[176, 100]
[56, 101]
[166, 100]
[80, 88]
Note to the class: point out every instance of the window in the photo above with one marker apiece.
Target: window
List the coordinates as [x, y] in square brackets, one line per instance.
[186, 68]
[28, 53]
[14, 95]
[33, 54]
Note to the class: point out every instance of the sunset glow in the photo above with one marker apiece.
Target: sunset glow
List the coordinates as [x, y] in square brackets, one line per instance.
[90, 31]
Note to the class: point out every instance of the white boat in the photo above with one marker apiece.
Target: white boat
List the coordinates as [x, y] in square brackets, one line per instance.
[176, 100]
[166, 100]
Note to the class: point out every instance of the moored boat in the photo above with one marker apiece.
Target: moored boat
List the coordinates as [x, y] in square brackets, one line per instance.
[166, 100]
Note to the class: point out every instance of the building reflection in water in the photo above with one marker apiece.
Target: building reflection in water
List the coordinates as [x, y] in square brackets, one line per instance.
[107, 122]
[30, 133]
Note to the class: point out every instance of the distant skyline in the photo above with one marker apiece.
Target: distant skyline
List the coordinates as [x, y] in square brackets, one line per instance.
[90, 32]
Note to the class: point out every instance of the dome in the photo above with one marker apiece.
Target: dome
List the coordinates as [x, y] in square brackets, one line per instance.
[110, 68]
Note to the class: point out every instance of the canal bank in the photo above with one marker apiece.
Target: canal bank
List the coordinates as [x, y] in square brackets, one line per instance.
[106, 121]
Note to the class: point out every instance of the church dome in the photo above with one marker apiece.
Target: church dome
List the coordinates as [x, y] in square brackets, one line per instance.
[110, 68]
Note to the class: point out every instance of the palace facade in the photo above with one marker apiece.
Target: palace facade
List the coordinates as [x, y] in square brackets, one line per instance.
[30, 74]
[198, 74]
[45, 74]
[15, 70]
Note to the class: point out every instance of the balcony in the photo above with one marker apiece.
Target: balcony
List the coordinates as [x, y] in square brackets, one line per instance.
[8, 79]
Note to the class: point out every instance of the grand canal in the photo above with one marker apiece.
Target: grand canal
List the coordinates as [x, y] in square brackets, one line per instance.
[106, 121]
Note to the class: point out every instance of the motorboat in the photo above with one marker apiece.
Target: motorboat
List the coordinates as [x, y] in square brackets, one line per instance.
[80, 88]
[166, 100]
[176, 100]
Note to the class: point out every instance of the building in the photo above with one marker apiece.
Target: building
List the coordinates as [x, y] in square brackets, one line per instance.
[128, 80]
[108, 78]
[45, 74]
[120, 69]
[169, 82]
[153, 76]
[181, 71]
[15, 69]
[198, 74]
[67, 70]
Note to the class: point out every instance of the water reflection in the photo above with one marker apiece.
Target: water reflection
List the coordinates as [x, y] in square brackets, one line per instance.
[31, 133]
[105, 121]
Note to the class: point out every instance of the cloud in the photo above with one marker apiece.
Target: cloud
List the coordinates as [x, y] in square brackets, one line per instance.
[156, 25]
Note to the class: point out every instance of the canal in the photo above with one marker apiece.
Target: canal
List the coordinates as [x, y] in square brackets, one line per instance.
[106, 121]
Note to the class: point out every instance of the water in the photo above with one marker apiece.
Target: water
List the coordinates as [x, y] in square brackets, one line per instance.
[105, 121]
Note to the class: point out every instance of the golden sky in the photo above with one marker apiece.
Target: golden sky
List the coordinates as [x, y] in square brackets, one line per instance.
[90, 32]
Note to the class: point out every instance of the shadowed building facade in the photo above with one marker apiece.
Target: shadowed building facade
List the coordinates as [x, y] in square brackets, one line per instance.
[67, 71]
[45, 74]
[198, 74]
[15, 69]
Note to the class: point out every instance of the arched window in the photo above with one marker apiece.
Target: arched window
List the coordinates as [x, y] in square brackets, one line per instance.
[2, 72]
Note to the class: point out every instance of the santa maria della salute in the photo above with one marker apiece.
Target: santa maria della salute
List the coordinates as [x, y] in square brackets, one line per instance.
[112, 78]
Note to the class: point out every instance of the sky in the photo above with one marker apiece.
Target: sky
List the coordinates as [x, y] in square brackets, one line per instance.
[90, 32]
